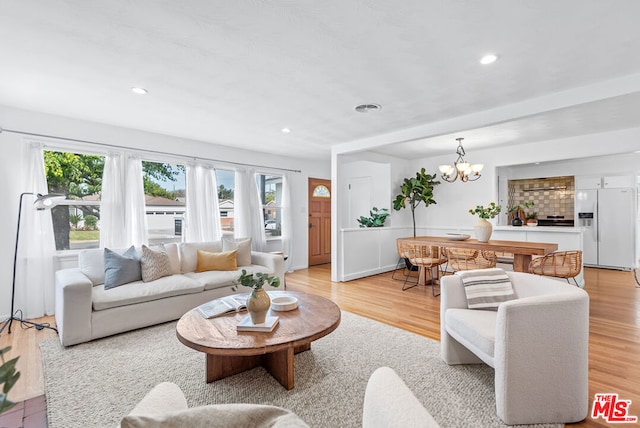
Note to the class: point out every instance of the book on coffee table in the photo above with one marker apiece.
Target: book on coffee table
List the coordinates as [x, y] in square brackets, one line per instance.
[268, 325]
[223, 305]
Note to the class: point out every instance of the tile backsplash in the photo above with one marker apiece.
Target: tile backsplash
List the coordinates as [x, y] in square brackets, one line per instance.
[552, 196]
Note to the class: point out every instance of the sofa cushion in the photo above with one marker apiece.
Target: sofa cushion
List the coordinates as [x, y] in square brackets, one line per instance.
[139, 291]
[486, 288]
[91, 263]
[224, 260]
[189, 254]
[121, 269]
[242, 245]
[476, 330]
[218, 415]
[219, 278]
[154, 264]
[174, 258]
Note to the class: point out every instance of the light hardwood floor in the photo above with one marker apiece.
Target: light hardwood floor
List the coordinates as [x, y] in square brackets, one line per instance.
[614, 331]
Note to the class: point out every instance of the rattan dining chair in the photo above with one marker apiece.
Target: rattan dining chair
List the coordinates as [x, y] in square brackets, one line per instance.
[468, 259]
[426, 257]
[404, 265]
[559, 264]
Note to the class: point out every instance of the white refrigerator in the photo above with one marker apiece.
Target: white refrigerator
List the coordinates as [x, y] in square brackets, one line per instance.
[608, 219]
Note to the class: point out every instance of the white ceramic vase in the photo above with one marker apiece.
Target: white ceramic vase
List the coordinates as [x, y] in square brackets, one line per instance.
[483, 230]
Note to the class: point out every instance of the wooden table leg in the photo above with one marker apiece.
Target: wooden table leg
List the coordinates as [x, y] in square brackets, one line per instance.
[521, 262]
[280, 365]
[219, 367]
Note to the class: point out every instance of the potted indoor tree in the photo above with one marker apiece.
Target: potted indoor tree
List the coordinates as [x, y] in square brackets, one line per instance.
[413, 191]
[483, 228]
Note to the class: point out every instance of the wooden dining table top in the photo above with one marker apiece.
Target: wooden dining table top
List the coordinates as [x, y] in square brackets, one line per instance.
[514, 247]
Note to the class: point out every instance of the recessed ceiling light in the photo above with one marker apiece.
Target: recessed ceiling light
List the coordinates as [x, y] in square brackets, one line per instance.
[285, 130]
[488, 59]
[366, 108]
[139, 91]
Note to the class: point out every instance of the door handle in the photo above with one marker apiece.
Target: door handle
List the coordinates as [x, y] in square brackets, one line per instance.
[310, 225]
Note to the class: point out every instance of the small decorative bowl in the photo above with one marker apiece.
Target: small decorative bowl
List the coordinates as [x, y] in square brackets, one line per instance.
[284, 303]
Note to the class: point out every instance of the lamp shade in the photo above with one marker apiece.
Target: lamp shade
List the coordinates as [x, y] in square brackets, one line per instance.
[45, 202]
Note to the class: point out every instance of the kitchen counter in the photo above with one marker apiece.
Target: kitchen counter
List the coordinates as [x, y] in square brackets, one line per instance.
[554, 229]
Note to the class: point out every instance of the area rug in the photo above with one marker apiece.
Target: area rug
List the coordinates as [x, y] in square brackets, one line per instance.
[96, 383]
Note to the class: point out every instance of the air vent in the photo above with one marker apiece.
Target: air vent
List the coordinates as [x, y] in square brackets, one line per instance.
[366, 108]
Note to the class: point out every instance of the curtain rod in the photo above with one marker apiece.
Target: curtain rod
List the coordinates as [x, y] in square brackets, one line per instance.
[32, 134]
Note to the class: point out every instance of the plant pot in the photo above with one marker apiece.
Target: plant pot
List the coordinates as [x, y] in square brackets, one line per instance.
[483, 230]
[258, 304]
[532, 222]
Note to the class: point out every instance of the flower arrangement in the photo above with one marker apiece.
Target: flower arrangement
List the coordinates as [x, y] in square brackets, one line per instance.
[256, 283]
[491, 211]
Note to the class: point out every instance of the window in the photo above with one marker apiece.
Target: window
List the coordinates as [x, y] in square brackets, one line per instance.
[270, 188]
[76, 220]
[226, 185]
[165, 200]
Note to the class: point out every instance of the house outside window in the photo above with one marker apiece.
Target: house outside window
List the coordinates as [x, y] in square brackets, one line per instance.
[226, 185]
[165, 201]
[270, 189]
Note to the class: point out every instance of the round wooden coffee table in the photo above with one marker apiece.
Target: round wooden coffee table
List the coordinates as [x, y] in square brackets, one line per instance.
[229, 352]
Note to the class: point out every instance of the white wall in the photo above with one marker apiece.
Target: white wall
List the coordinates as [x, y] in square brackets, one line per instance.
[12, 165]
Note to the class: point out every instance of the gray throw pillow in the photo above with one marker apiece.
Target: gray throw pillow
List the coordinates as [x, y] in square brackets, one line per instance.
[154, 264]
[121, 269]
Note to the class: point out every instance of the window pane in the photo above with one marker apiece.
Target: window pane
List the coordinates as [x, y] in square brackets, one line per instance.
[76, 222]
[270, 187]
[165, 200]
[226, 185]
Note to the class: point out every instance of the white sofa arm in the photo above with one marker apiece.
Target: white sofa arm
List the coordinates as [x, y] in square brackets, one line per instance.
[540, 341]
[73, 306]
[388, 403]
[274, 262]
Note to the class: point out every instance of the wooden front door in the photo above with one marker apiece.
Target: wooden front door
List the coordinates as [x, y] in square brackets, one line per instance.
[319, 221]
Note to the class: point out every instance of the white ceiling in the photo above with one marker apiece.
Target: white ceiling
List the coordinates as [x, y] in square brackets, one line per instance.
[236, 72]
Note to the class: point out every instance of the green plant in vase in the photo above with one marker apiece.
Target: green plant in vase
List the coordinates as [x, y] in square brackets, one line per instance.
[483, 228]
[258, 302]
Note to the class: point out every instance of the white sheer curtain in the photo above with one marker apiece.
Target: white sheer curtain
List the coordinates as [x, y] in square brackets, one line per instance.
[36, 248]
[112, 207]
[135, 218]
[248, 218]
[287, 221]
[203, 209]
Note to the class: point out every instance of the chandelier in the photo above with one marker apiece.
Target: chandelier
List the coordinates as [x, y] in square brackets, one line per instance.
[461, 169]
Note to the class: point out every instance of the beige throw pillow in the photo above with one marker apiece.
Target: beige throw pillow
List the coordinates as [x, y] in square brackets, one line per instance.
[225, 260]
[154, 264]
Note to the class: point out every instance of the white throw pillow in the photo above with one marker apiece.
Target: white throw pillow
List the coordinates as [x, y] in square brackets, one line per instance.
[243, 245]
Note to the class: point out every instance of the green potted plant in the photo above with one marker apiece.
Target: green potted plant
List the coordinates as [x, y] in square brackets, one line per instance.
[531, 216]
[258, 302]
[483, 228]
[377, 219]
[413, 191]
[8, 378]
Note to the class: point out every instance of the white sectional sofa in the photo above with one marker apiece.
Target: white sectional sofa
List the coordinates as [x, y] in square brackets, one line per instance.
[85, 310]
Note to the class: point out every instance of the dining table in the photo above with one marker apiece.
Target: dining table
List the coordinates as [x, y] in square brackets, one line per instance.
[522, 250]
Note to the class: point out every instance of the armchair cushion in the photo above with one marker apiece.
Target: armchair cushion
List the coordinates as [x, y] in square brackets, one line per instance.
[486, 288]
[476, 330]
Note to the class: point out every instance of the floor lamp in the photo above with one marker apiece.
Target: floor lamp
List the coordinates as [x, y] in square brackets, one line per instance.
[42, 202]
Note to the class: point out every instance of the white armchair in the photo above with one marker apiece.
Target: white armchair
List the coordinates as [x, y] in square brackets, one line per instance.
[537, 344]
